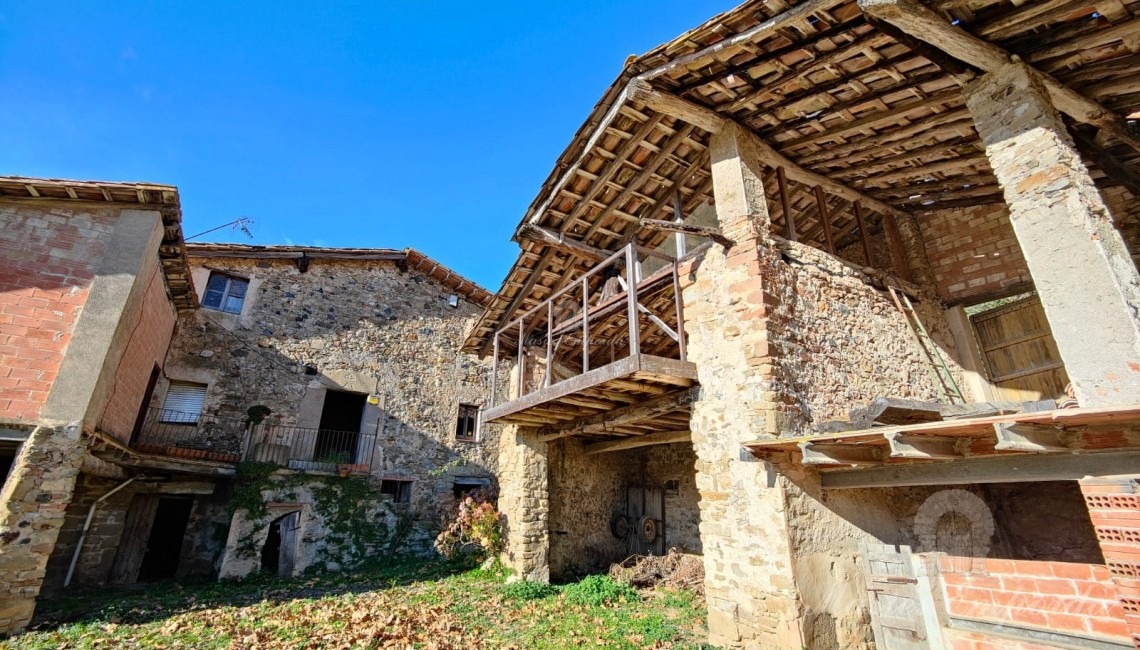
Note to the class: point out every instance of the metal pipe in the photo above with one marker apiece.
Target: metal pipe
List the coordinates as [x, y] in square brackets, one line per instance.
[87, 526]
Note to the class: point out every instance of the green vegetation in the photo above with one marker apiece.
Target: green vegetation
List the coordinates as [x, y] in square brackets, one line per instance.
[414, 604]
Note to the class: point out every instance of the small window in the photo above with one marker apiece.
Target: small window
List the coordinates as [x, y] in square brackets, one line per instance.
[183, 403]
[225, 293]
[399, 489]
[468, 423]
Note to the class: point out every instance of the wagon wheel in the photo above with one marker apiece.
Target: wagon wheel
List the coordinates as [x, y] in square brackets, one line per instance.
[647, 529]
[620, 526]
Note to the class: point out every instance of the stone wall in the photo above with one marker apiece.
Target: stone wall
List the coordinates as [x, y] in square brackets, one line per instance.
[50, 255]
[585, 494]
[974, 253]
[676, 462]
[525, 502]
[360, 326]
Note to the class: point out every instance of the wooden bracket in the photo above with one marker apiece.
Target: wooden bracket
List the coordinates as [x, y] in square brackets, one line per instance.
[815, 453]
[904, 445]
[1025, 437]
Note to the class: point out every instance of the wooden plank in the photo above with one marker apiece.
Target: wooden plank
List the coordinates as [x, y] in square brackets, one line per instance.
[660, 438]
[893, 410]
[919, 21]
[1001, 469]
[898, 250]
[616, 370]
[687, 229]
[561, 241]
[134, 538]
[630, 414]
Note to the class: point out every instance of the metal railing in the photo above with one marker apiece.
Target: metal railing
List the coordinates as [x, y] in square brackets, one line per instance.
[199, 436]
[315, 450]
[572, 314]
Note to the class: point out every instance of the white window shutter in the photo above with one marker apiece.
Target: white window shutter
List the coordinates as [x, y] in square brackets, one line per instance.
[183, 402]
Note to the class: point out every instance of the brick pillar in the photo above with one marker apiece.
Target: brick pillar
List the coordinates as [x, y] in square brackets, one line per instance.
[749, 586]
[1114, 507]
[33, 505]
[524, 498]
[1083, 273]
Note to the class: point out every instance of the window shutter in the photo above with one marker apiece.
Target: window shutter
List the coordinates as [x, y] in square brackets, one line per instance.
[183, 402]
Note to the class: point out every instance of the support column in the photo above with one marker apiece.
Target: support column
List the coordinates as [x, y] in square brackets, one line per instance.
[1114, 508]
[524, 499]
[749, 586]
[33, 505]
[1083, 273]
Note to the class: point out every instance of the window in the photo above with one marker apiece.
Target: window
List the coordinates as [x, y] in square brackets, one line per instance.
[400, 489]
[468, 423]
[183, 403]
[225, 293]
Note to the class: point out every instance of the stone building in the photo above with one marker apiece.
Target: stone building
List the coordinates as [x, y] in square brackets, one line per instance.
[842, 296]
[241, 409]
[91, 278]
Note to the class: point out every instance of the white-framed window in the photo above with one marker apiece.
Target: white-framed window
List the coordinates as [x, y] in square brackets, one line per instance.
[225, 292]
[467, 424]
[183, 402]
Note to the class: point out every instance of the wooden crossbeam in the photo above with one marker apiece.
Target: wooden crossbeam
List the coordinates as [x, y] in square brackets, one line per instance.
[711, 121]
[921, 22]
[687, 229]
[621, 416]
[659, 438]
[815, 453]
[561, 241]
[1115, 170]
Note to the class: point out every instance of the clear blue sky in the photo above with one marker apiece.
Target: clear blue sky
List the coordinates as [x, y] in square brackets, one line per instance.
[382, 124]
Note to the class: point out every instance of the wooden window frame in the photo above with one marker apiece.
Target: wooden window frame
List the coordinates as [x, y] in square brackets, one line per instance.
[226, 293]
[467, 423]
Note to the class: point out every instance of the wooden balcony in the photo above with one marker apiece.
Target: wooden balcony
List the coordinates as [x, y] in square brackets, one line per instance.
[604, 356]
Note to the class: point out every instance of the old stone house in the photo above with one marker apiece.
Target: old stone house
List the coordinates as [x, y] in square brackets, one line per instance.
[240, 408]
[808, 293]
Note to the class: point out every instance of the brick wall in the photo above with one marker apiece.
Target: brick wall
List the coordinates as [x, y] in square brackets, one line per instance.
[973, 252]
[1077, 599]
[150, 330]
[1114, 508]
[49, 259]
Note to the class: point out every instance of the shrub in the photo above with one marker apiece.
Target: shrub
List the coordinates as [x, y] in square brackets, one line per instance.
[527, 590]
[598, 590]
[476, 529]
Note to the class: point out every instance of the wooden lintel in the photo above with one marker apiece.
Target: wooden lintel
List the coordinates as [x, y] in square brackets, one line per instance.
[688, 229]
[1022, 437]
[1115, 170]
[642, 92]
[1015, 468]
[840, 454]
[625, 415]
[923, 23]
[925, 447]
[659, 438]
[561, 241]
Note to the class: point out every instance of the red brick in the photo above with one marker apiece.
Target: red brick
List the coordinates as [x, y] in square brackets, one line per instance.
[1072, 570]
[1110, 627]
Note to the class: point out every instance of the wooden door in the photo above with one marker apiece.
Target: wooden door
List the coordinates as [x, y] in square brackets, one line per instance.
[1020, 355]
[136, 535]
[286, 560]
[645, 503]
[897, 616]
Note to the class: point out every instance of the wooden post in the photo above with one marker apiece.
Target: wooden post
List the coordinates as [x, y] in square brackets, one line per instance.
[863, 233]
[585, 325]
[495, 369]
[679, 217]
[789, 220]
[824, 219]
[680, 311]
[522, 360]
[549, 341]
[631, 300]
[898, 250]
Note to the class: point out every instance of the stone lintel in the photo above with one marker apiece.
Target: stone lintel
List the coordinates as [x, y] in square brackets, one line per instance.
[1082, 271]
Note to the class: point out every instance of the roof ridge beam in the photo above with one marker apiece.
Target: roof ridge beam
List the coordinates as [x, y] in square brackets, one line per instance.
[923, 23]
[711, 121]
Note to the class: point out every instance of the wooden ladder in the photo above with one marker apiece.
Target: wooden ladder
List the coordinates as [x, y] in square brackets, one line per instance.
[939, 371]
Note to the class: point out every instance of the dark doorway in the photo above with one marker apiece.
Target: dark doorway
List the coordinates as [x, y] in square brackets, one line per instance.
[164, 546]
[340, 427]
[140, 419]
[277, 555]
[9, 449]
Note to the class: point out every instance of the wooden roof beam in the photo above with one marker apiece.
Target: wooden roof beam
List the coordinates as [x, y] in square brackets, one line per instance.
[921, 22]
[603, 422]
[561, 241]
[659, 438]
[711, 121]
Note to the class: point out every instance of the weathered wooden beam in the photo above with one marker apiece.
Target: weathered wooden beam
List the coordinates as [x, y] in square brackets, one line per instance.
[1021, 437]
[816, 453]
[659, 438]
[561, 241]
[1001, 469]
[621, 416]
[824, 218]
[785, 204]
[1112, 168]
[916, 447]
[893, 411]
[711, 121]
[863, 237]
[687, 229]
[921, 22]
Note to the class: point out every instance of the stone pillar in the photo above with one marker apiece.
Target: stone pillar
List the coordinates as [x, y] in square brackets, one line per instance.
[749, 584]
[524, 500]
[33, 505]
[1084, 275]
[1114, 508]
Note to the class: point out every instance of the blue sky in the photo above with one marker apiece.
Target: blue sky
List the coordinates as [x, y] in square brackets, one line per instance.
[383, 124]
